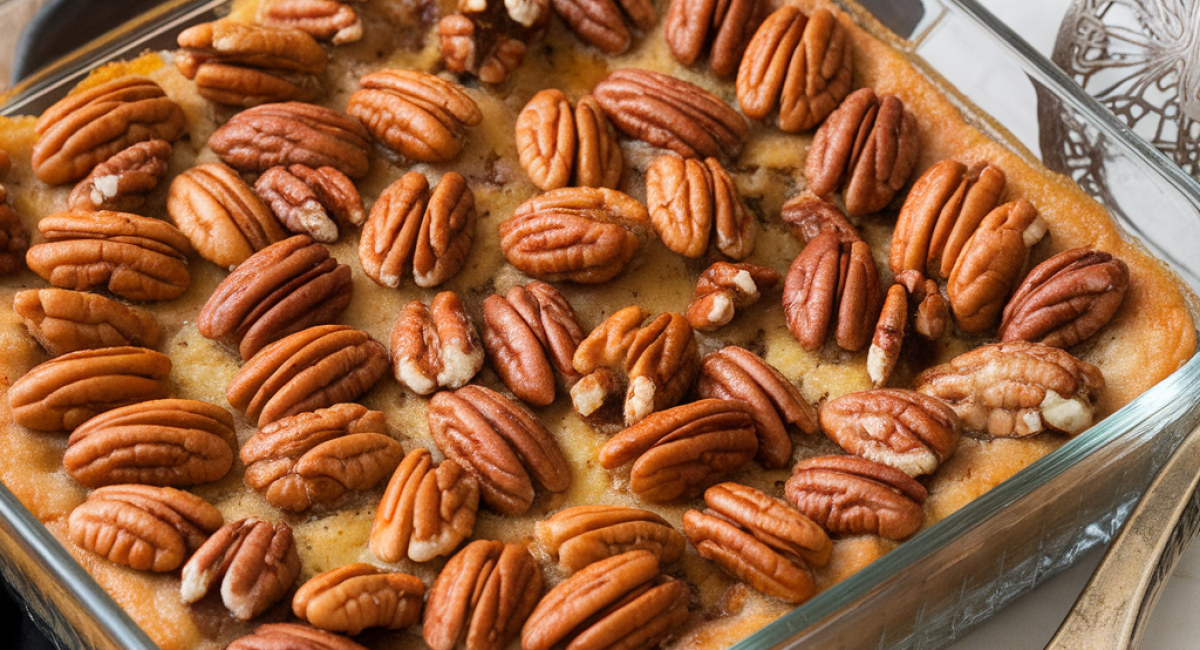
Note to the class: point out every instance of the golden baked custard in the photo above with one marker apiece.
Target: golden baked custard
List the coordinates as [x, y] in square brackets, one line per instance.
[659, 310]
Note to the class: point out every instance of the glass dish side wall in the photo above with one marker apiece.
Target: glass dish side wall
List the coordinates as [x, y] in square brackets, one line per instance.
[962, 569]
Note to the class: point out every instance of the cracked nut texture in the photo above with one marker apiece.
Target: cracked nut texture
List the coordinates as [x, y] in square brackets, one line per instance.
[723, 289]
[427, 510]
[311, 201]
[1066, 299]
[289, 133]
[314, 458]
[482, 597]
[487, 38]
[221, 215]
[848, 495]
[122, 182]
[168, 442]
[143, 527]
[905, 429]
[356, 596]
[435, 346]
[530, 334]
[417, 115]
[251, 562]
[580, 536]
[65, 321]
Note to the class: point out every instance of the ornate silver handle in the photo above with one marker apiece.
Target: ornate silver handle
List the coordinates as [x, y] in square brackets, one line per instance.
[1113, 608]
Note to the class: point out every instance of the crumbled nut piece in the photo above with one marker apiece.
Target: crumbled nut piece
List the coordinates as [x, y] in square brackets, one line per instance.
[801, 64]
[738, 374]
[581, 234]
[293, 133]
[809, 215]
[1017, 389]
[1066, 299]
[138, 258]
[721, 28]
[605, 23]
[313, 458]
[66, 391]
[500, 443]
[848, 495]
[580, 536]
[482, 597]
[832, 282]
[143, 527]
[889, 336]
[167, 442]
[654, 363]
[912, 432]
[557, 145]
[297, 204]
[436, 346]
[671, 113]
[122, 182]
[529, 334]
[221, 215]
[932, 313]
[682, 450]
[356, 596]
[426, 511]
[418, 115]
[620, 599]
[487, 38]
[759, 539]
[65, 321]
[252, 562]
[325, 20]
[991, 263]
[723, 289]
[314, 368]
[867, 147]
[87, 128]
[282, 289]
[688, 198]
[247, 65]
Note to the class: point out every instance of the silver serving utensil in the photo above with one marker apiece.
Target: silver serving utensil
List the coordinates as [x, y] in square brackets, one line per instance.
[1112, 611]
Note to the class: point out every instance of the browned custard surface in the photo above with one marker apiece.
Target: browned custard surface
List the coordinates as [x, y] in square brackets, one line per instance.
[1150, 337]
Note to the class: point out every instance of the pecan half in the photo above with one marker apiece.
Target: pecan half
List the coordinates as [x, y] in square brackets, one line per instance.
[738, 374]
[655, 363]
[436, 346]
[687, 198]
[288, 133]
[889, 336]
[759, 539]
[808, 215]
[867, 148]
[579, 536]
[605, 23]
[802, 65]
[314, 458]
[143, 527]
[418, 115]
[912, 432]
[168, 442]
[723, 289]
[529, 334]
[66, 391]
[723, 29]
[246, 65]
[134, 257]
[292, 636]
[122, 182]
[991, 263]
[682, 450]
[581, 234]
[622, 599]
[87, 128]
[325, 20]
[671, 113]
[426, 511]
[482, 597]
[832, 282]
[487, 38]
[408, 224]
[848, 495]
[356, 596]
[557, 144]
[311, 369]
[65, 321]
[280, 290]
[941, 212]
[14, 238]
[252, 562]
[306, 208]
[500, 443]
[1017, 389]
[221, 215]
[1066, 299]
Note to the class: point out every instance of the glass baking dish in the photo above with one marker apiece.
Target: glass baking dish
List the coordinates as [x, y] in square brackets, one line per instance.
[945, 579]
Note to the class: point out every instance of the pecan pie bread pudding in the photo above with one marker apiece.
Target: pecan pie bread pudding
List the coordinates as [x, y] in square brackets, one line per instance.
[529, 324]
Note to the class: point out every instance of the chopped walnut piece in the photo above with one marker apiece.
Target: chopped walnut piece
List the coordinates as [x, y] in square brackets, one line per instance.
[487, 38]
